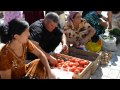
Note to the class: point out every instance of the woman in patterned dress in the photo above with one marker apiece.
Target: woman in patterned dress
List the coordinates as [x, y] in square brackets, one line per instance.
[77, 30]
[13, 55]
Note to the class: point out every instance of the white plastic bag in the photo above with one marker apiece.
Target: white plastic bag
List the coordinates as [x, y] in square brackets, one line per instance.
[109, 43]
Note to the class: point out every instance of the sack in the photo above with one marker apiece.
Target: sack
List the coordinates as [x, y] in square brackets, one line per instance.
[109, 43]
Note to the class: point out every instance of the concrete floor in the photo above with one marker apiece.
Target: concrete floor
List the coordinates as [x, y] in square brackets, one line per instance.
[110, 71]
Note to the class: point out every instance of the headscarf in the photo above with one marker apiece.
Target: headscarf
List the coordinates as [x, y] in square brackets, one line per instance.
[71, 14]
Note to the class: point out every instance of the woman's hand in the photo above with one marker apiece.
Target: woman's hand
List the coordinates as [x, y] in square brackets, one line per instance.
[53, 61]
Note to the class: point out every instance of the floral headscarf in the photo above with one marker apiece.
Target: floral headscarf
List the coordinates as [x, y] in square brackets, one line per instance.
[71, 14]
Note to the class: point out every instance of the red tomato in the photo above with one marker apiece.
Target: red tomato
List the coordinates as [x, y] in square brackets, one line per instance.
[62, 61]
[78, 68]
[82, 63]
[67, 61]
[65, 69]
[72, 69]
[70, 64]
[76, 71]
[85, 66]
[86, 62]
[81, 69]
[77, 60]
[76, 64]
[64, 65]
[59, 66]
[72, 60]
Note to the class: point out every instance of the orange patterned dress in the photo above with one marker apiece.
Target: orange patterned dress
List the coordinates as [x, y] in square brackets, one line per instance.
[9, 60]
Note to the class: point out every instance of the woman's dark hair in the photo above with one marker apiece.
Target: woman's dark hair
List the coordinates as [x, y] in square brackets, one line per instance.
[16, 26]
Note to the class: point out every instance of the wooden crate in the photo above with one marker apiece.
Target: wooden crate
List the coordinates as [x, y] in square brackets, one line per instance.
[85, 74]
[91, 56]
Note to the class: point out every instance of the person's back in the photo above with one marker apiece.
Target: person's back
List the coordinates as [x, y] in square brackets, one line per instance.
[94, 20]
[84, 13]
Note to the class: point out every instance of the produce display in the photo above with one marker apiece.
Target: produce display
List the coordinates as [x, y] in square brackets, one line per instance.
[105, 57]
[72, 64]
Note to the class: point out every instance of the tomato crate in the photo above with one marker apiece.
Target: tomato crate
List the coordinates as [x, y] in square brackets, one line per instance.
[85, 73]
[91, 56]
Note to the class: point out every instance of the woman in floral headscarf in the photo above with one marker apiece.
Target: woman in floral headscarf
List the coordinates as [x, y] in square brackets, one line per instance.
[77, 30]
[8, 16]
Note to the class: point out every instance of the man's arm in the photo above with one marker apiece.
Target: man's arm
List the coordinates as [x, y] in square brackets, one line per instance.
[64, 44]
[64, 39]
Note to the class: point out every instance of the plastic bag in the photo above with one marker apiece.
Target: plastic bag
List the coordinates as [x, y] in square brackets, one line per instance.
[109, 43]
[94, 47]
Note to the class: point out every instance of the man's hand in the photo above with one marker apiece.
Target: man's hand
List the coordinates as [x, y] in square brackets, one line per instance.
[64, 49]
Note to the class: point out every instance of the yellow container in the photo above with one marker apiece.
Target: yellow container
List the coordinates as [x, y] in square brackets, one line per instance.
[94, 47]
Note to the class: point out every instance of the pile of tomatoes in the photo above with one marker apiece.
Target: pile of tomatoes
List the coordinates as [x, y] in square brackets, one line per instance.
[74, 65]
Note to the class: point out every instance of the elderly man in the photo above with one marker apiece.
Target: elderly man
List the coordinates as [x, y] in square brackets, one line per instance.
[47, 35]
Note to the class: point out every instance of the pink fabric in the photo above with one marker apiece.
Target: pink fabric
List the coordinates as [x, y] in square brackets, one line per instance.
[9, 15]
